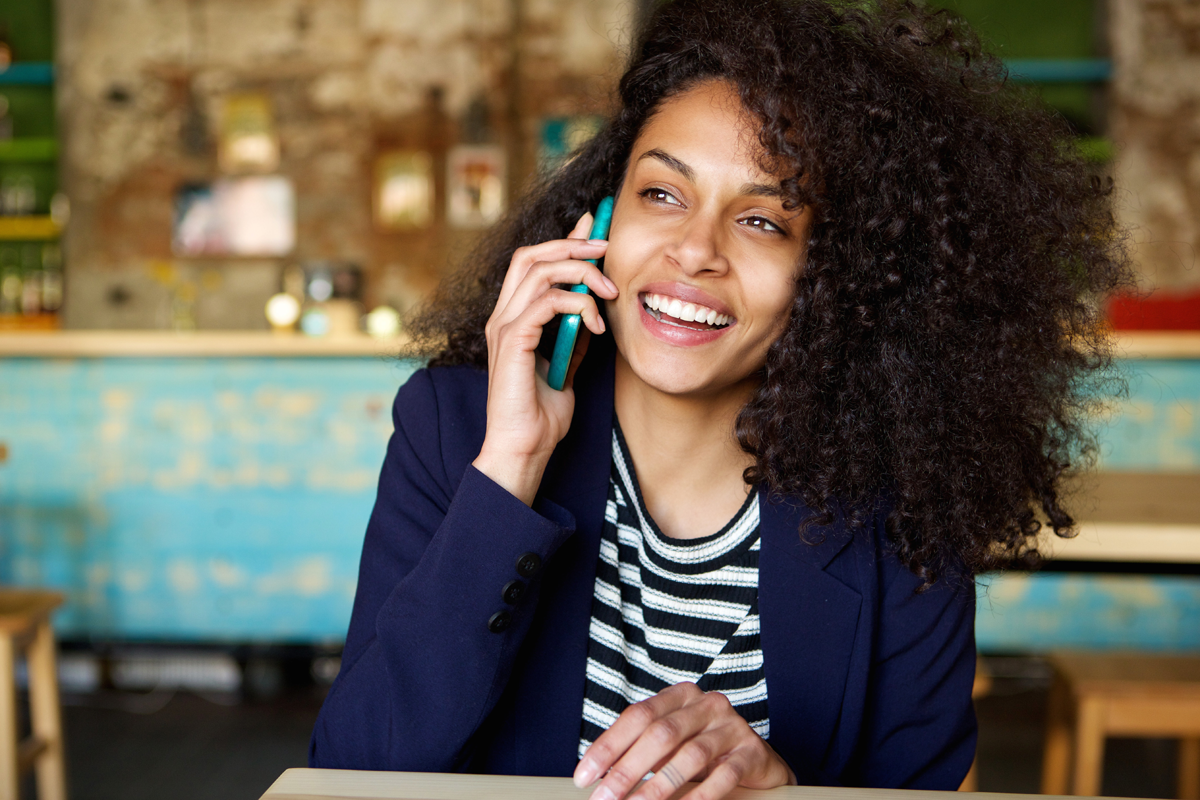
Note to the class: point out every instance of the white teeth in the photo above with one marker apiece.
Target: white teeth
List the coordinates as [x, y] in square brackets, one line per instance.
[687, 312]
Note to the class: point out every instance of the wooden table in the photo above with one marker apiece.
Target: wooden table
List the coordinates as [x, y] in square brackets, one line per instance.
[336, 784]
[1128, 517]
[1097, 695]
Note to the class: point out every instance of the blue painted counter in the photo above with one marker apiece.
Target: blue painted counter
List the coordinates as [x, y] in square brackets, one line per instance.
[193, 498]
[1155, 429]
[225, 499]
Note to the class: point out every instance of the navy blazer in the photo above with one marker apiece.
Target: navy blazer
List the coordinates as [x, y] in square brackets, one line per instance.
[868, 681]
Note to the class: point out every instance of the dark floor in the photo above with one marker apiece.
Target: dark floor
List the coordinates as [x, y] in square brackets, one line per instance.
[190, 748]
[1010, 740]
[125, 746]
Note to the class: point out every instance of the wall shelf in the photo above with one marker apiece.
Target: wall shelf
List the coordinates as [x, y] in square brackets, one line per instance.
[28, 73]
[27, 150]
[193, 344]
[1059, 70]
[33, 228]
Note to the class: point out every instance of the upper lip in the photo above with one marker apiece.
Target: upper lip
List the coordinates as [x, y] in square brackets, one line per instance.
[688, 294]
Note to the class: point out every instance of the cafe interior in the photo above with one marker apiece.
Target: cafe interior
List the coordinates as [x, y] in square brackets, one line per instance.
[216, 217]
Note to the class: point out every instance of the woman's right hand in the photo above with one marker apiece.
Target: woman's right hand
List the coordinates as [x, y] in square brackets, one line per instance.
[526, 419]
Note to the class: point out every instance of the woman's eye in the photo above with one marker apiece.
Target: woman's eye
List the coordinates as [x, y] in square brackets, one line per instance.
[762, 224]
[660, 196]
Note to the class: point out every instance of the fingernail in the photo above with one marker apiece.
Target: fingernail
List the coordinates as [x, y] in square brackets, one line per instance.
[612, 287]
[597, 241]
[603, 793]
[586, 773]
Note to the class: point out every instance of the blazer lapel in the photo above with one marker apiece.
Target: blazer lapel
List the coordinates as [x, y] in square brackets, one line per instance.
[550, 695]
[809, 620]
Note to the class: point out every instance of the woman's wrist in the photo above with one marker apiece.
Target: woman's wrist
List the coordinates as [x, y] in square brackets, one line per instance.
[520, 476]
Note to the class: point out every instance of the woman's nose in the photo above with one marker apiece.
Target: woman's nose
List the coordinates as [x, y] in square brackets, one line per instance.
[697, 249]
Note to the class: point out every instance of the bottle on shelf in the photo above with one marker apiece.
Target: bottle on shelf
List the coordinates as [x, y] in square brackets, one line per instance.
[11, 287]
[6, 120]
[52, 278]
[18, 195]
[32, 277]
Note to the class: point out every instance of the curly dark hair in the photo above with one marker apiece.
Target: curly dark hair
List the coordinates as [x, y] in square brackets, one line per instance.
[946, 342]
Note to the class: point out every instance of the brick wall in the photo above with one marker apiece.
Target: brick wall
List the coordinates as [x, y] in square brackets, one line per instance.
[141, 86]
[1156, 126]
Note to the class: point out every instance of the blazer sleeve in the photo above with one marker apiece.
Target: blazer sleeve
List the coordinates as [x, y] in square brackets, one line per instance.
[921, 725]
[425, 659]
[920, 722]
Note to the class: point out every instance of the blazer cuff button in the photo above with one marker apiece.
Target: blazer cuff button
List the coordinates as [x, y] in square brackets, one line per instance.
[499, 622]
[528, 564]
[512, 592]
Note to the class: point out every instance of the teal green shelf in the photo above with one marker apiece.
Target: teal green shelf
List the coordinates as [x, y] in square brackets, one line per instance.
[28, 73]
[28, 150]
[1059, 70]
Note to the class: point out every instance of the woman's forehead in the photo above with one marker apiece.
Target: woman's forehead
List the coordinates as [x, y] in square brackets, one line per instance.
[705, 128]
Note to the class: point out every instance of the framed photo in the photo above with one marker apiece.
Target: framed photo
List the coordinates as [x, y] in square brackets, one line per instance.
[403, 195]
[251, 216]
[248, 142]
[475, 194]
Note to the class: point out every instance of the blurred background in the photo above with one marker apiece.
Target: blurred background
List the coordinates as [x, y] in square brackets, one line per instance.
[213, 216]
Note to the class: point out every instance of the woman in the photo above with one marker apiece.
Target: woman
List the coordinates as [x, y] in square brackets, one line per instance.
[841, 342]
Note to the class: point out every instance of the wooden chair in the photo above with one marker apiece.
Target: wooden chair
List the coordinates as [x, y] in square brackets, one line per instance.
[25, 627]
[1097, 696]
[981, 688]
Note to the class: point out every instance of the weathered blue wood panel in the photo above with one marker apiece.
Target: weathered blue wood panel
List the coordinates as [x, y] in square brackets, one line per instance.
[1157, 427]
[1059, 610]
[209, 499]
[226, 499]
[1154, 429]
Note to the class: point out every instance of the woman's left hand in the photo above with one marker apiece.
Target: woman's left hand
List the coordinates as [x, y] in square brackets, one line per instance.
[681, 734]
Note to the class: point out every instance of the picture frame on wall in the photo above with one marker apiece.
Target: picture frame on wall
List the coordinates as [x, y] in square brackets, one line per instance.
[247, 216]
[403, 190]
[248, 142]
[475, 185]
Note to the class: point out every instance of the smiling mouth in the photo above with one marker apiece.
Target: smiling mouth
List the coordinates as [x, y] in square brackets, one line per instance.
[691, 316]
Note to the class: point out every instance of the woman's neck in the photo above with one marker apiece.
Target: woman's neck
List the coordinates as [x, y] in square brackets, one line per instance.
[687, 458]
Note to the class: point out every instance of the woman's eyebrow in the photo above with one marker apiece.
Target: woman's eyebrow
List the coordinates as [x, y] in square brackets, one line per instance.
[671, 161]
[748, 189]
[761, 190]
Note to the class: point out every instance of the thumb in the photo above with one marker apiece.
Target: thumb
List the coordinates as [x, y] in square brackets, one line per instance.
[580, 231]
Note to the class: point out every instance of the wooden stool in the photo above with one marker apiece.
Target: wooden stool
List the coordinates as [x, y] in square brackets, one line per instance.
[981, 688]
[1096, 696]
[25, 626]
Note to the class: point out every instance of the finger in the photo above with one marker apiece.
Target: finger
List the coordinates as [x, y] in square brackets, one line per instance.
[555, 250]
[542, 277]
[754, 766]
[633, 721]
[661, 738]
[524, 332]
[723, 779]
[691, 759]
[580, 231]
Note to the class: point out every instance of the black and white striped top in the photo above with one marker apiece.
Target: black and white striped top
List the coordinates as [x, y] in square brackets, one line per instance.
[671, 610]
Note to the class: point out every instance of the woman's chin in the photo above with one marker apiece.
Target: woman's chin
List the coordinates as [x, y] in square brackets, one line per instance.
[678, 375]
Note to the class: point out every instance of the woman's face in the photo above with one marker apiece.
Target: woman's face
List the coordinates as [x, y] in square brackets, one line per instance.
[702, 250]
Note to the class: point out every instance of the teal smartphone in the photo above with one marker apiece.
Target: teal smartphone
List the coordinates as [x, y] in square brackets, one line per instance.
[568, 328]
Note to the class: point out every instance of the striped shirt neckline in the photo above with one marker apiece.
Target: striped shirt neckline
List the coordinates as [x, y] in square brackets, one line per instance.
[669, 610]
